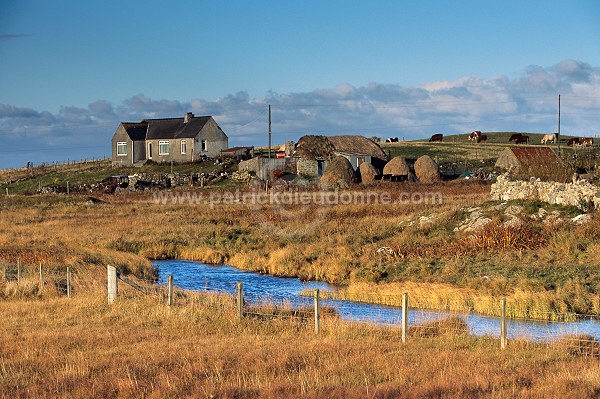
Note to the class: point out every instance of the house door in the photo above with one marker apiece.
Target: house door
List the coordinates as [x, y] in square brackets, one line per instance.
[149, 150]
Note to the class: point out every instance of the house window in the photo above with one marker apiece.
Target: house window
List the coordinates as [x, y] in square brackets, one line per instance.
[163, 148]
[203, 142]
[183, 147]
[121, 148]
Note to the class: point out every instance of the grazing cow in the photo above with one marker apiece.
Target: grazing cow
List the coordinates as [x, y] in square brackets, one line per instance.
[522, 140]
[586, 142]
[550, 138]
[574, 141]
[436, 137]
[474, 135]
[482, 138]
[391, 140]
[519, 138]
[514, 137]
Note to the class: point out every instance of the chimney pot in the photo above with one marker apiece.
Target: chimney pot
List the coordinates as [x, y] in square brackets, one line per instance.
[187, 117]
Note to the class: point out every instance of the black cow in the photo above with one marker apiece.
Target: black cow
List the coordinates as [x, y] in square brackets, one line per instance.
[436, 137]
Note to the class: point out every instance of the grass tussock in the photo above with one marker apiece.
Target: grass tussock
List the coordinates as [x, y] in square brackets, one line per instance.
[499, 237]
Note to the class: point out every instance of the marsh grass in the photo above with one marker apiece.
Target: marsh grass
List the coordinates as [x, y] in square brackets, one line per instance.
[138, 347]
[550, 267]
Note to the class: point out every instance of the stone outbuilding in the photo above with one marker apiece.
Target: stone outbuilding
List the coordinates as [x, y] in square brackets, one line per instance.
[528, 159]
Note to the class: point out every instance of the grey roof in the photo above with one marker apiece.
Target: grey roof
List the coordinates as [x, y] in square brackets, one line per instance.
[174, 128]
[135, 131]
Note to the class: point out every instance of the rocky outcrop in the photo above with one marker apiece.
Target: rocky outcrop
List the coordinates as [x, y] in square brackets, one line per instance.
[580, 193]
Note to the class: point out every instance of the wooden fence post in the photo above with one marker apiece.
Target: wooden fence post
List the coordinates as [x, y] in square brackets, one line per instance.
[503, 339]
[112, 284]
[7, 191]
[4, 269]
[41, 278]
[18, 270]
[405, 318]
[67, 187]
[240, 300]
[68, 282]
[170, 290]
[317, 312]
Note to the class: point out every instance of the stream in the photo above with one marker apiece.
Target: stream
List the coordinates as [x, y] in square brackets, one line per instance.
[259, 288]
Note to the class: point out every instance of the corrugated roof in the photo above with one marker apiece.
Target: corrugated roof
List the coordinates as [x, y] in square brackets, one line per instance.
[530, 156]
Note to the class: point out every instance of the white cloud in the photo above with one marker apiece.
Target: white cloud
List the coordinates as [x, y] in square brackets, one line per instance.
[525, 103]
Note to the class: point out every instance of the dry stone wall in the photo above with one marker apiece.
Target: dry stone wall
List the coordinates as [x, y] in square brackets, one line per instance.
[579, 193]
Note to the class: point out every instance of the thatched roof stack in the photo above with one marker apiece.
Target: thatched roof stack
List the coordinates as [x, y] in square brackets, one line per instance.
[398, 166]
[368, 173]
[427, 170]
[339, 173]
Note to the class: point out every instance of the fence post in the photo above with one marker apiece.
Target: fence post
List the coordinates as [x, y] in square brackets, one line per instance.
[4, 269]
[317, 312]
[41, 278]
[18, 270]
[405, 317]
[7, 191]
[67, 187]
[112, 284]
[170, 290]
[503, 339]
[68, 282]
[240, 300]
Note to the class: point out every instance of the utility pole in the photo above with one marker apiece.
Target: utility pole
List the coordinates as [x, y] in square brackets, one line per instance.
[558, 134]
[269, 130]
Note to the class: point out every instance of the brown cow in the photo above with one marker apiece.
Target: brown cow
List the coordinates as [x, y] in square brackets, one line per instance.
[474, 135]
[436, 137]
[574, 141]
[482, 138]
[586, 142]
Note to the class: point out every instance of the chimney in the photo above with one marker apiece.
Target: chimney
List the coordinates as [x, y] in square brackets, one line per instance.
[187, 117]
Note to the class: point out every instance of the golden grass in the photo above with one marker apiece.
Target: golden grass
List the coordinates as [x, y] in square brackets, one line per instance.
[553, 268]
[138, 347]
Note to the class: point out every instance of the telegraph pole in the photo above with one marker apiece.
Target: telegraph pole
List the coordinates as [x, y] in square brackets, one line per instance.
[558, 134]
[269, 130]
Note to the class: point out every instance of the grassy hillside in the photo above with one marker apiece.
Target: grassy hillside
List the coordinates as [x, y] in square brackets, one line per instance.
[458, 148]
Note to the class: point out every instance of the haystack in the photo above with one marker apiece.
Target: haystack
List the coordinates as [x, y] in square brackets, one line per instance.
[398, 166]
[427, 170]
[339, 173]
[367, 172]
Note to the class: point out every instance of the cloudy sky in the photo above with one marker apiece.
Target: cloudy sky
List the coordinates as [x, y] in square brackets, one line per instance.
[71, 70]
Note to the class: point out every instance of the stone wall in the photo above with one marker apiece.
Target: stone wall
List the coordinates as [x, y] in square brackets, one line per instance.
[579, 193]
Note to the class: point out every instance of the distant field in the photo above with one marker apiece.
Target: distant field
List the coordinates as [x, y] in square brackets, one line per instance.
[459, 148]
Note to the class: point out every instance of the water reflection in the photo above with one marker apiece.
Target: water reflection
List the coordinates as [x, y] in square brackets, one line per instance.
[258, 287]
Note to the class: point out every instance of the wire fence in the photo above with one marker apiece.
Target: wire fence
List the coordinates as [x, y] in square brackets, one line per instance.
[579, 337]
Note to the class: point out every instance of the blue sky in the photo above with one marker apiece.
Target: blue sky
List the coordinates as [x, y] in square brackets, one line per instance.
[71, 70]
